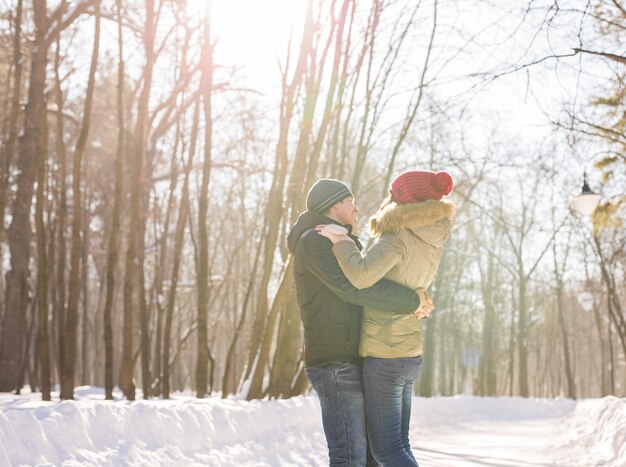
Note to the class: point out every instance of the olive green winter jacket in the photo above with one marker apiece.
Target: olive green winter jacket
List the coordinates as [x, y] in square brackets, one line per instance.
[408, 250]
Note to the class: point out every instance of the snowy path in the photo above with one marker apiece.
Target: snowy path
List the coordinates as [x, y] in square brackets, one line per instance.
[488, 440]
[491, 444]
[506, 432]
[446, 432]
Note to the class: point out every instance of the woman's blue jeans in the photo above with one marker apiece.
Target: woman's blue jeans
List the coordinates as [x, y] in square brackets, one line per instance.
[340, 391]
[388, 389]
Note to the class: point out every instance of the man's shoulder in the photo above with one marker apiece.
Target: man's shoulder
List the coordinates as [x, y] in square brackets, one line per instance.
[311, 240]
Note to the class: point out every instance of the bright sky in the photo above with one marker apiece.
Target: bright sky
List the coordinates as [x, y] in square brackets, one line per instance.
[254, 34]
[473, 37]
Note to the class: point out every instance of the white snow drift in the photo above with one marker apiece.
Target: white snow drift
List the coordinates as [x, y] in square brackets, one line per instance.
[454, 431]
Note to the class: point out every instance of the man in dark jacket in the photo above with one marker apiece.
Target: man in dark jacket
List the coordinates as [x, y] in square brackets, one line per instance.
[331, 309]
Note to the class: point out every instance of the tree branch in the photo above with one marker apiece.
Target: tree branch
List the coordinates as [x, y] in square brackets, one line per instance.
[61, 22]
[616, 58]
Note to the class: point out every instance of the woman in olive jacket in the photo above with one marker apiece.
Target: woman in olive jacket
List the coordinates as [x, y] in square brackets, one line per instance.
[411, 228]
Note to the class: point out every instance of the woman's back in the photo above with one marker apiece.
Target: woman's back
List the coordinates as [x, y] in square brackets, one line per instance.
[408, 251]
[422, 228]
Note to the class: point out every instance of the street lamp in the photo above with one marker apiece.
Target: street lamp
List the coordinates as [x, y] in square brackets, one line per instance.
[587, 201]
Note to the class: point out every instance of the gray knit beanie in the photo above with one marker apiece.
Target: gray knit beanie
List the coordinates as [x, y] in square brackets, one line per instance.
[325, 193]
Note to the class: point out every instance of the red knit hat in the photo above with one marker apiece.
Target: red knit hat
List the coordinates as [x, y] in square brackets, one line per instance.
[420, 185]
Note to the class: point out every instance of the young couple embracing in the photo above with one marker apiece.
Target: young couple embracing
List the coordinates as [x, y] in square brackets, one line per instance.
[361, 310]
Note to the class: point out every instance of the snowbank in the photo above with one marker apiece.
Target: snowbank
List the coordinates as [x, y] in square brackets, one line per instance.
[182, 431]
[596, 430]
[454, 431]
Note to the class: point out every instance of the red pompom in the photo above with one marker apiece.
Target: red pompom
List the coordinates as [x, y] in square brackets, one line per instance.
[443, 183]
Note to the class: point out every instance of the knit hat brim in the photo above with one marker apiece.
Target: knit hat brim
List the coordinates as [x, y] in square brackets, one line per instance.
[325, 193]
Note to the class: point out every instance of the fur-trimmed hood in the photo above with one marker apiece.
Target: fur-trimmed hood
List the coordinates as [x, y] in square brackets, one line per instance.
[429, 220]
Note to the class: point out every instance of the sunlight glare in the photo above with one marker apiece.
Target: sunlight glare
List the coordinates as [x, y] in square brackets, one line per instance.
[254, 33]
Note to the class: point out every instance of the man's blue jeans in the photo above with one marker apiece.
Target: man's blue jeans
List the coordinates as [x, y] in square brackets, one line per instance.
[340, 391]
[388, 389]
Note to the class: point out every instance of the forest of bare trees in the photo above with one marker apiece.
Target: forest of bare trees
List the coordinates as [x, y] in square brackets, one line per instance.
[147, 184]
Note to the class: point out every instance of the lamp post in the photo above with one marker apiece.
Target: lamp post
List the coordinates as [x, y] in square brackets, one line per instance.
[587, 201]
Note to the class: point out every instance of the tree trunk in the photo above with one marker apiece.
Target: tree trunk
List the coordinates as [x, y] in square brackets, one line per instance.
[427, 374]
[8, 147]
[256, 390]
[274, 208]
[286, 361]
[127, 382]
[60, 299]
[512, 336]
[310, 68]
[52, 225]
[571, 388]
[335, 162]
[163, 254]
[42, 270]
[522, 336]
[487, 369]
[19, 235]
[203, 251]
[67, 381]
[601, 341]
[368, 47]
[285, 364]
[181, 222]
[115, 227]
[613, 303]
[443, 357]
[330, 98]
[227, 387]
[27, 369]
[144, 312]
[85, 347]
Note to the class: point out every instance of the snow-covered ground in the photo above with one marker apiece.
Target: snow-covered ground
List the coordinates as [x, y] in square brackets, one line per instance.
[451, 431]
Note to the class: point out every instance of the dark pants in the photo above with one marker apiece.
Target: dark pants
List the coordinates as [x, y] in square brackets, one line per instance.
[340, 391]
[388, 389]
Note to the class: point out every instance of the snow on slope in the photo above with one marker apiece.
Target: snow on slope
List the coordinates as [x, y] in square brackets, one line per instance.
[598, 431]
[182, 431]
[455, 431]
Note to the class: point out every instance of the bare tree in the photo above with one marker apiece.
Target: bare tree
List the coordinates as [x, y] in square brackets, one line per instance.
[8, 147]
[68, 373]
[560, 292]
[274, 205]
[19, 235]
[204, 354]
[42, 272]
[127, 382]
[183, 214]
[117, 200]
